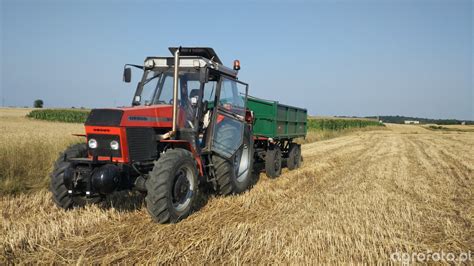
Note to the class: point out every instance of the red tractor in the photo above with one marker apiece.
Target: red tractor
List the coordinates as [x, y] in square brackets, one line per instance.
[188, 125]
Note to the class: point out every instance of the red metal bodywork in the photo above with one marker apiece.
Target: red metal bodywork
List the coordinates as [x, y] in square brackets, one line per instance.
[156, 116]
[160, 116]
[120, 131]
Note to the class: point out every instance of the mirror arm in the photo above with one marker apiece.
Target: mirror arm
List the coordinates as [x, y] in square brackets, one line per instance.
[132, 65]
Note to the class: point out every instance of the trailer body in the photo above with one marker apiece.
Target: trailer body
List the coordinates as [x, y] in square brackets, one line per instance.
[277, 121]
[275, 128]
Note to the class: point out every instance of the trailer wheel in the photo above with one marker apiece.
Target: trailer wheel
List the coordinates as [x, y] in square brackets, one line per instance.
[172, 187]
[294, 156]
[60, 196]
[273, 162]
[235, 176]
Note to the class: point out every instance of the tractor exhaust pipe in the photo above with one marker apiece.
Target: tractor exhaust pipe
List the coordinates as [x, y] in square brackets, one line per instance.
[175, 91]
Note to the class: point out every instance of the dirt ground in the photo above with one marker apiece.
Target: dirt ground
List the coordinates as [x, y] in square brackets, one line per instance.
[357, 198]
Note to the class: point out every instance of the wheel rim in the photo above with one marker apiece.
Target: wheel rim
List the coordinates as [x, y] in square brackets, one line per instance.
[183, 188]
[241, 163]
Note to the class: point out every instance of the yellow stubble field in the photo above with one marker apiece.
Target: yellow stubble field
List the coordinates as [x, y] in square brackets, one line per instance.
[358, 198]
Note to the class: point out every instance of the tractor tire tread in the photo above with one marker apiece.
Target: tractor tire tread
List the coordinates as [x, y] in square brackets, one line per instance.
[59, 191]
[270, 157]
[157, 196]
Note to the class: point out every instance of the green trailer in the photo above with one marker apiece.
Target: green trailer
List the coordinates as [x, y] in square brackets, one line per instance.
[275, 126]
[277, 121]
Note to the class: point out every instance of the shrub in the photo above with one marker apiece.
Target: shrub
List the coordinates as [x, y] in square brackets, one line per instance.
[340, 124]
[38, 103]
[60, 115]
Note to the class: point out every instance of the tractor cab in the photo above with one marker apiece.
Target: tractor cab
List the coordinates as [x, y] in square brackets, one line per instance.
[188, 124]
[206, 93]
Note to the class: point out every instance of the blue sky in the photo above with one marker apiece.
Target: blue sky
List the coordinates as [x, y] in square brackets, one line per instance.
[333, 57]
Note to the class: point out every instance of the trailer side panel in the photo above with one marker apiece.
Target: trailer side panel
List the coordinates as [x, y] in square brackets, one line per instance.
[277, 121]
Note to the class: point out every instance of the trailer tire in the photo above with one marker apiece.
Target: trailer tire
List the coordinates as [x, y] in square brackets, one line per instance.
[273, 161]
[294, 156]
[230, 177]
[172, 187]
[60, 194]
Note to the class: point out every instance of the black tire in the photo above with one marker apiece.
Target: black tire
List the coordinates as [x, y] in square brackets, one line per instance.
[60, 195]
[165, 201]
[273, 163]
[294, 156]
[235, 176]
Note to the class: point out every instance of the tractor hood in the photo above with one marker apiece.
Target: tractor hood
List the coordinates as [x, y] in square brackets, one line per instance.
[104, 117]
[146, 116]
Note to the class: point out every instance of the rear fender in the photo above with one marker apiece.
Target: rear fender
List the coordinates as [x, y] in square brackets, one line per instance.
[183, 144]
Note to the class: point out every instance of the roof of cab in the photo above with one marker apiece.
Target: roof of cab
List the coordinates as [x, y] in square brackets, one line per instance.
[206, 52]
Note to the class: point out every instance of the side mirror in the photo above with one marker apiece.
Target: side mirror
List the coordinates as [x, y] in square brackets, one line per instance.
[127, 74]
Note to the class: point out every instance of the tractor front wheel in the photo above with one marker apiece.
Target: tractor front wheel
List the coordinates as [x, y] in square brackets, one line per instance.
[60, 193]
[172, 187]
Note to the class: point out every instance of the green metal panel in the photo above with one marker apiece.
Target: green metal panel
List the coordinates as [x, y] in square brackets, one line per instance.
[278, 121]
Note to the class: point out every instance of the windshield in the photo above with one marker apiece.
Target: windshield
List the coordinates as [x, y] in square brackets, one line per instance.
[157, 87]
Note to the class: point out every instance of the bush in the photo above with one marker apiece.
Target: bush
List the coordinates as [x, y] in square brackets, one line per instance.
[340, 124]
[38, 103]
[60, 115]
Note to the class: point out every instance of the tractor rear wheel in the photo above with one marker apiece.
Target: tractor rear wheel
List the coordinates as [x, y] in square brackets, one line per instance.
[60, 193]
[172, 187]
[273, 162]
[294, 156]
[235, 175]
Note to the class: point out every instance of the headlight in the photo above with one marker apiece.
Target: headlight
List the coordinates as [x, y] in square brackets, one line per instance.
[92, 143]
[114, 145]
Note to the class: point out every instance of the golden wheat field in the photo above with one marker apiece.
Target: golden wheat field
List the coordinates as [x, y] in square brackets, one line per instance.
[358, 198]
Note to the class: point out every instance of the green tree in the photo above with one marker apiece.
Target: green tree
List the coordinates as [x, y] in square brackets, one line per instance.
[38, 103]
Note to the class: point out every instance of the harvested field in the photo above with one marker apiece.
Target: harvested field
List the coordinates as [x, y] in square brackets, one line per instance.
[357, 198]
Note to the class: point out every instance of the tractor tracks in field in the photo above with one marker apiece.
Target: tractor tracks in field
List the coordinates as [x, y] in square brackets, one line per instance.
[446, 198]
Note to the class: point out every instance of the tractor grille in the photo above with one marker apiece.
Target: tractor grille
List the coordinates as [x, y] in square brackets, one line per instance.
[142, 144]
[103, 145]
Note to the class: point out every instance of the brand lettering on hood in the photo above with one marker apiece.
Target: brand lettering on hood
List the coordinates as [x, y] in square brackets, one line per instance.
[149, 119]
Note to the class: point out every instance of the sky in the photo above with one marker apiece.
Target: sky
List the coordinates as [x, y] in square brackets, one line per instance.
[354, 58]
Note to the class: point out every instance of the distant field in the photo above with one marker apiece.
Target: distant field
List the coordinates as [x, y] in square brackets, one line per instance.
[468, 127]
[460, 128]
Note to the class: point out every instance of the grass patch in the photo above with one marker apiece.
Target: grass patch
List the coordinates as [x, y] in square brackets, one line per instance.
[328, 128]
[443, 128]
[60, 115]
[331, 124]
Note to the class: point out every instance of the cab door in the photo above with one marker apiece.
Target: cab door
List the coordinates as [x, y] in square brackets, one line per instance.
[229, 118]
